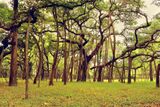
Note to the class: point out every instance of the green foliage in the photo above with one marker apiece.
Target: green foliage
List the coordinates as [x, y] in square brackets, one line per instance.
[5, 13]
[102, 5]
[155, 24]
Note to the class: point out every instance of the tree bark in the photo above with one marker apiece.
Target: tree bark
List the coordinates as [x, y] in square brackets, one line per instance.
[65, 61]
[129, 69]
[151, 71]
[43, 72]
[113, 46]
[84, 68]
[135, 75]
[14, 35]
[40, 67]
[79, 76]
[157, 75]
[95, 71]
[26, 65]
[54, 65]
[40, 60]
[47, 60]
[123, 72]
[71, 66]
[99, 79]
[87, 59]
[155, 67]
[1, 60]
[13, 70]
[109, 73]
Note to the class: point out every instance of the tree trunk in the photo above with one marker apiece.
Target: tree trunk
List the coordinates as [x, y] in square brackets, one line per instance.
[109, 73]
[123, 72]
[95, 71]
[155, 67]
[87, 58]
[53, 72]
[79, 76]
[84, 68]
[47, 60]
[119, 72]
[40, 60]
[135, 75]
[26, 65]
[113, 46]
[106, 56]
[13, 70]
[43, 72]
[71, 66]
[1, 60]
[65, 60]
[157, 75]
[14, 35]
[54, 65]
[129, 69]
[99, 79]
[39, 69]
[30, 69]
[151, 71]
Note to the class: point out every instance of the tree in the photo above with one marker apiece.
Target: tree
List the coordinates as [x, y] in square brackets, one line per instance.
[54, 65]
[157, 75]
[14, 36]
[26, 60]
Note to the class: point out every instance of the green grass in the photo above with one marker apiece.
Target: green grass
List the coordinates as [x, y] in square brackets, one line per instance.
[140, 94]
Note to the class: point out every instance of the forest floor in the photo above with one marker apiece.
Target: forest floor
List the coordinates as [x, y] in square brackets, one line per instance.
[140, 94]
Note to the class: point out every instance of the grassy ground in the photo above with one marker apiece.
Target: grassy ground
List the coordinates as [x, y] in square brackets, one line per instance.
[140, 94]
